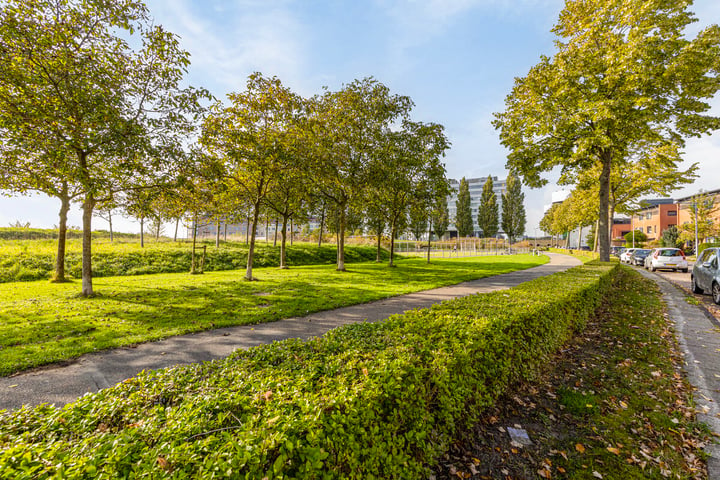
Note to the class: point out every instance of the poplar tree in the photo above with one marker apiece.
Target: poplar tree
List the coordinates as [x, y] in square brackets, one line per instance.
[513, 209]
[488, 216]
[463, 213]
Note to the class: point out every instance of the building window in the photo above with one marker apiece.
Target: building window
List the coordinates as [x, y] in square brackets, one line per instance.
[654, 228]
[649, 229]
[648, 216]
[672, 213]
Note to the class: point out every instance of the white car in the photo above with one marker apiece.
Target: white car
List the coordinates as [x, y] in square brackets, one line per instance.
[625, 256]
[667, 259]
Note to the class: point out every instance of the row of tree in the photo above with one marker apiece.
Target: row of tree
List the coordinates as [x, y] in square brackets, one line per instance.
[488, 218]
[92, 110]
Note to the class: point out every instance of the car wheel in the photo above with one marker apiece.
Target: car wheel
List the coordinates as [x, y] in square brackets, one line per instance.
[684, 270]
[716, 292]
[651, 268]
[694, 286]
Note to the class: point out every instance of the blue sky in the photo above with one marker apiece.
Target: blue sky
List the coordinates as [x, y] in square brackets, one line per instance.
[456, 59]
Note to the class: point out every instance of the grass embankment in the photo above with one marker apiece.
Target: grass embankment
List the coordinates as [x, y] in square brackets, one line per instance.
[370, 400]
[27, 260]
[614, 405]
[41, 322]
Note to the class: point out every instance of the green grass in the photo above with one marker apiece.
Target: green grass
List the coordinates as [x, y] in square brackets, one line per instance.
[41, 322]
[27, 260]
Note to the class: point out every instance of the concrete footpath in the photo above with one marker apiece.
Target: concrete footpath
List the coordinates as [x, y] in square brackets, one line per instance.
[61, 384]
[698, 334]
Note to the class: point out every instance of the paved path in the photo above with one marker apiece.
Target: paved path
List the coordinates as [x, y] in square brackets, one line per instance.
[698, 334]
[92, 372]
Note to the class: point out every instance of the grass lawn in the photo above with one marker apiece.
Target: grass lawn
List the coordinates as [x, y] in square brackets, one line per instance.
[41, 322]
[613, 404]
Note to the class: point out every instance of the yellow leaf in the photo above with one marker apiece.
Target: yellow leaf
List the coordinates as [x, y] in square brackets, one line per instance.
[544, 473]
[579, 447]
[614, 450]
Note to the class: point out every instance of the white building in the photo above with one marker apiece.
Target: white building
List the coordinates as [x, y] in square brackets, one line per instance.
[475, 185]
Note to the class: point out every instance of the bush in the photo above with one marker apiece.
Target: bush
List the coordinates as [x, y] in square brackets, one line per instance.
[370, 400]
[169, 258]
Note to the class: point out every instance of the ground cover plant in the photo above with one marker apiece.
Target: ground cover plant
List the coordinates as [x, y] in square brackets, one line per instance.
[41, 322]
[24, 260]
[369, 400]
[614, 404]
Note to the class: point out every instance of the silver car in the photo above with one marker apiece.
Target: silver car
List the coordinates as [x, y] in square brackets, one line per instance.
[705, 275]
[667, 259]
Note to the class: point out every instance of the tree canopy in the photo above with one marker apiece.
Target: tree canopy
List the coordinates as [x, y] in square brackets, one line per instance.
[463, 212]
[488, 214]
[84, 106]
[626, 86]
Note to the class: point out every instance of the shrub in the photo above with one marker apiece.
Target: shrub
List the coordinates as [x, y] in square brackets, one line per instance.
[168, 258]
[370, 400]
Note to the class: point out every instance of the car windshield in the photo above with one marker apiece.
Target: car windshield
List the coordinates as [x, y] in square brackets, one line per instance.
[643, 251]
[671, 252]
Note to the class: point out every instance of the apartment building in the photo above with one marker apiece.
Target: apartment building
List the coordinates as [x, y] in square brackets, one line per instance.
[475, 186]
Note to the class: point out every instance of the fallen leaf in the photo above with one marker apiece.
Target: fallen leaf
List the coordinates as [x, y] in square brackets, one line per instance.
[614, 450]
[164, 464]
[597, 474]
[579, 447]
[544, 473]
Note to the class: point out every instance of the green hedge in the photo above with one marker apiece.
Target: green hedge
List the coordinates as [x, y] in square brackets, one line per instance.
[365, 401]
[15, 233]
[28, 266]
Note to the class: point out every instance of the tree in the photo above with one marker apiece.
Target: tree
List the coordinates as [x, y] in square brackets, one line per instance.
[440, 216]
[488, 216]
[513, 209]
[625, 86]
[348, 128]
[671, 237]
[250, 139]
[635, 238]
[71, 86]
[418, 221]
[702, 224]
[463, 215]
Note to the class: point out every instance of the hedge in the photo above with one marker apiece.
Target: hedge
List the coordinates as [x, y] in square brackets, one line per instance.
[370, 400]
[29, 266]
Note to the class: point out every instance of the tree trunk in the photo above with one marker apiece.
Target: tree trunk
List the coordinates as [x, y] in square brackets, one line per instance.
[322, 225]
[341, 241]
[267, 229]
[429, 240]
[217, 233]
[225, 231]
[276, 232]
[88, 206]
[110, 225]
[378, 257]
[603, 226]
[177, 224]
[283, 265]
[142, 231]
[392, 243]
[251, 248]
[292, 231]
[194, 242]
[59, 275]
[247, 230]
[580, 237]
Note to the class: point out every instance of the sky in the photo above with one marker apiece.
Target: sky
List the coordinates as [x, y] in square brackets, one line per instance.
[456, 59]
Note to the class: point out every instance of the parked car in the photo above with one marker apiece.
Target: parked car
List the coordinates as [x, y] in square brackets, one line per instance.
[638, 256]
[625, 256]
[667, 259]
[646, 262]
[616, 251]
[705, 275]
